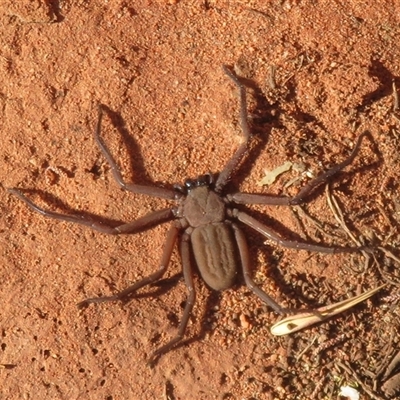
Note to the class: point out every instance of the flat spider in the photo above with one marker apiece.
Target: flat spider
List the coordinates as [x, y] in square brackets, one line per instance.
[204, 222]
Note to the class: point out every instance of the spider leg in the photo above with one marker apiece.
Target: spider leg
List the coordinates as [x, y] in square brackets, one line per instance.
[226, 173]
[292, 244]
[131, 187]
[123, 295]
[245, 260]
[146, 222]
[306, 191]
[188, 276]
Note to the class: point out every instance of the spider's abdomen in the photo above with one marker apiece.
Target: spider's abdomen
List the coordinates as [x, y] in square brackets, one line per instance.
[214, 249]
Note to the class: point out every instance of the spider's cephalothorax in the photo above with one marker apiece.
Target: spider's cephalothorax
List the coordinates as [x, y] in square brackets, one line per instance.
[205, 221]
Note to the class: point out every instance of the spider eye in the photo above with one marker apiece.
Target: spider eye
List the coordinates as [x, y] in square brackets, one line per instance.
[179, 188]
[204, 180]
[190, 184]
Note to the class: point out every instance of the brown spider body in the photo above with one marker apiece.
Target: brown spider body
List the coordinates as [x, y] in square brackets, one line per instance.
[205, 224]
[211, 236]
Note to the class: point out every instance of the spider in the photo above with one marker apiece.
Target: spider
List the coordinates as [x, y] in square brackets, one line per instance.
[204, 224]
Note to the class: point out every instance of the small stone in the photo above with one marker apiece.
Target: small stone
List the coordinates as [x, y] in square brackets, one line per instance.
[244, 322]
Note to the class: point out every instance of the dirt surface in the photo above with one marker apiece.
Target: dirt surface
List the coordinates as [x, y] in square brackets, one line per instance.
[174, 114]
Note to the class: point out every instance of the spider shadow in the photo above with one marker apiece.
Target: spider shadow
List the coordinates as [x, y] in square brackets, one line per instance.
[213, 299]
[264, 114]
[162, 286]
[259, 246]
[274, 273]
[386, 79]
[132, 148]
[342, 181]
[262, 107]
[165, 285]
[55, 10]
[66, 210]
[286, 233]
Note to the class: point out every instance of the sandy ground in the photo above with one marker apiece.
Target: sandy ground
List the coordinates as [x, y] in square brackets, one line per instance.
[174, 114]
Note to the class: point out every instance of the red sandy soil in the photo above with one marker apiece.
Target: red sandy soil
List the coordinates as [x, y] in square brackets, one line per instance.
[157, 66]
